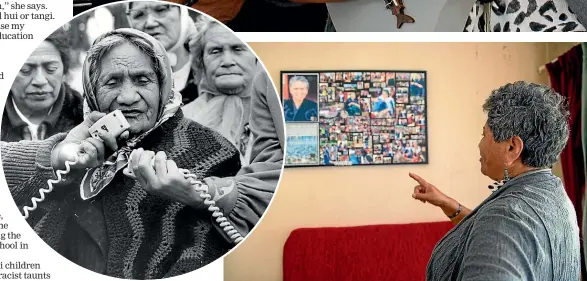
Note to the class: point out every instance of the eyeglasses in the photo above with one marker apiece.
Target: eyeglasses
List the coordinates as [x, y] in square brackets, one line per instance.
[158, 11]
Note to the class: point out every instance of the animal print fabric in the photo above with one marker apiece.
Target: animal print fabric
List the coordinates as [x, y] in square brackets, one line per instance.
[524, 16]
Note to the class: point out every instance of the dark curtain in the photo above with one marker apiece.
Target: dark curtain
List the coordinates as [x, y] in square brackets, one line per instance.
[566, 79]
[584, 138]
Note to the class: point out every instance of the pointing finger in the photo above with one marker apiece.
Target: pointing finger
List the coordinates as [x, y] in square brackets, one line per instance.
[417, 178]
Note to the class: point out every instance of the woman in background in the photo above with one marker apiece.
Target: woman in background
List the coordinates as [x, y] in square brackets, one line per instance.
[40, 103]
[227, 68]
[526, 229]
[246, 196]
[173, 27]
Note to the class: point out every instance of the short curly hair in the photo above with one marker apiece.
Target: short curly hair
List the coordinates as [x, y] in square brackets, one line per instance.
[536, 114]
[299, 78]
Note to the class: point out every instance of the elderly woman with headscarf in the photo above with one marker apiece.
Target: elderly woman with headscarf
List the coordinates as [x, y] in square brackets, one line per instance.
[227, 68]
[243, 206]
[154, 224]
[234, 96]
[526, 229]
[172, 26]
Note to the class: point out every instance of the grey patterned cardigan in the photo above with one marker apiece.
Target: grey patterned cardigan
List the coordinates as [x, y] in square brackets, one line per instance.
[526, 230]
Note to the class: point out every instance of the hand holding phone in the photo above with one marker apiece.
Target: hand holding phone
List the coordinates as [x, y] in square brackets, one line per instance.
[87, 142]
[112, 126]
[160, 176]
[135, 155]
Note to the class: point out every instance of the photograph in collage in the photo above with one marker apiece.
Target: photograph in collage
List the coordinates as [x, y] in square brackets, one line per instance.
[300, 93]
[302, 144]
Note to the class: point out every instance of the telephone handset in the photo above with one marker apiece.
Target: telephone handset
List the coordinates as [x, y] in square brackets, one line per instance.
[115, 124]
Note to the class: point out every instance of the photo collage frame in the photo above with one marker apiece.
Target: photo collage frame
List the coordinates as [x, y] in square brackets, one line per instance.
[348, 118]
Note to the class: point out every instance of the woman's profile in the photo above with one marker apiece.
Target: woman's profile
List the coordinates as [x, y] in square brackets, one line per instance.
[527, 228]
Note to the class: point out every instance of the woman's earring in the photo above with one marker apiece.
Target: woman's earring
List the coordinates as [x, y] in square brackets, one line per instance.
[496, 185]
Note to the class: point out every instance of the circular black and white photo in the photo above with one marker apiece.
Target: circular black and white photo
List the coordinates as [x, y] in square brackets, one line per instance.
[142, 140]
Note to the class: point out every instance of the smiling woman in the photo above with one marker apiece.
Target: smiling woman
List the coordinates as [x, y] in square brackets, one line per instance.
[299, 108]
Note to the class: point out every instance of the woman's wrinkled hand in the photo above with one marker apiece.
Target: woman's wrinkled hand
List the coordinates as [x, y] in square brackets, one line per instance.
[161, 176]
[79, 145]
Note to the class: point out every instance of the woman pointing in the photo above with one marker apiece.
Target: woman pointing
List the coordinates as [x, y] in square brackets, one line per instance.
[527, 228]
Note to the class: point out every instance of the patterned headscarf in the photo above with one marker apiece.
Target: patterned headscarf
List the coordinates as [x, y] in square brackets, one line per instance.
[169, 103]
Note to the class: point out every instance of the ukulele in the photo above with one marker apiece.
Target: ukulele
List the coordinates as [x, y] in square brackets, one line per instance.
[400, 15]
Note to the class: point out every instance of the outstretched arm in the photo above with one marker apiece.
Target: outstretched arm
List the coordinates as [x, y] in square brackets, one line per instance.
[245, 197]
[427, 192]
[451, 206]
[27, 166]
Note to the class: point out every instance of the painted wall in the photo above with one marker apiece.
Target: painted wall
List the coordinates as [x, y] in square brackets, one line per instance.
[460, 77]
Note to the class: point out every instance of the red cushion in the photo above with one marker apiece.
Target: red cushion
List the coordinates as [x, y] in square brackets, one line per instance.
[374, 252]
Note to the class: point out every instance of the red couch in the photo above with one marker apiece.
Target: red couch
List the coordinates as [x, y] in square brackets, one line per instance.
[361, 253]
